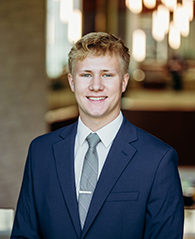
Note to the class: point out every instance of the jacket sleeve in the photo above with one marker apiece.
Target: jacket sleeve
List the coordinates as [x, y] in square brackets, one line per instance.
[165, 209]
[26, 222]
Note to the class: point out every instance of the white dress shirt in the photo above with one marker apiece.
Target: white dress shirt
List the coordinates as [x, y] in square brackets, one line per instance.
[106, 134]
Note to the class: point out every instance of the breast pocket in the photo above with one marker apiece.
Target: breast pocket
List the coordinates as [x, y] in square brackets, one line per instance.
[123, 196]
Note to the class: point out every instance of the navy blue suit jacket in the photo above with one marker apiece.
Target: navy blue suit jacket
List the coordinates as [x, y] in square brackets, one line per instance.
[138, 194]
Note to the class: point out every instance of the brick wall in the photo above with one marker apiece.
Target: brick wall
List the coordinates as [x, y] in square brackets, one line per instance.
[22, 88]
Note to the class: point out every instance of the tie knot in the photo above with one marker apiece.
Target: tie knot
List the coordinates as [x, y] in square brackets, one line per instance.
[93, 140]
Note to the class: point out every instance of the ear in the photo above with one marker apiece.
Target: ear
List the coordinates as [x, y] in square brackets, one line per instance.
[71, 81]
[125, 82]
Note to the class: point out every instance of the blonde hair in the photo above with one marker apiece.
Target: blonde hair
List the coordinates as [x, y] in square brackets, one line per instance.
[99, 43]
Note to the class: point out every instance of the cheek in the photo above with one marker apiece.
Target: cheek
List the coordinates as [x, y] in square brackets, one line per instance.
[117, 88]
[79, 88]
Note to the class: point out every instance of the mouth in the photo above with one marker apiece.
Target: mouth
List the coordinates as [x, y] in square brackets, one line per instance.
[97, 98]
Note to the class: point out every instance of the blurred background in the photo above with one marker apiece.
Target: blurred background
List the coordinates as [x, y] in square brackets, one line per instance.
[35, 98]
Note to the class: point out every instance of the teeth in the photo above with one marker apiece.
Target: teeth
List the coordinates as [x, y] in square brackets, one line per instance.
[96, 98]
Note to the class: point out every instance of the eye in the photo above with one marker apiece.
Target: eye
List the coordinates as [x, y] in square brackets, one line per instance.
[86, 75]
[107, 75]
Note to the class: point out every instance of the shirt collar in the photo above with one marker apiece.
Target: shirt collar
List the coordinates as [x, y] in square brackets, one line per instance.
[106, 133]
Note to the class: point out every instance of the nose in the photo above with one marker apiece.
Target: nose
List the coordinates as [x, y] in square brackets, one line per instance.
[96, 83]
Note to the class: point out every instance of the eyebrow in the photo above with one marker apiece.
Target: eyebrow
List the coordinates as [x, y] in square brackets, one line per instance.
[84, 70]
[104, 70]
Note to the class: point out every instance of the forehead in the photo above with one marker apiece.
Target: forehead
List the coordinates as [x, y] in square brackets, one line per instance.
[111, 62]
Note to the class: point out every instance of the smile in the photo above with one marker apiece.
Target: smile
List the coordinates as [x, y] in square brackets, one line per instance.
[97, 98]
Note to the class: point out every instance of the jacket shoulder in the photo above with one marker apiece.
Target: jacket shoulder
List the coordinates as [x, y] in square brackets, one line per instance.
[143, 138]
[55, 136]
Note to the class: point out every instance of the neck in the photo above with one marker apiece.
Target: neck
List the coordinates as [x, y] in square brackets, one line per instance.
[95, 123]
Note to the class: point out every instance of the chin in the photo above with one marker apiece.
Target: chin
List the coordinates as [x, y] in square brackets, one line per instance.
[95, 113]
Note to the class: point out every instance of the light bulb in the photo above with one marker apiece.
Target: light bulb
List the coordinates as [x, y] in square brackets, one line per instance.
[139, 45]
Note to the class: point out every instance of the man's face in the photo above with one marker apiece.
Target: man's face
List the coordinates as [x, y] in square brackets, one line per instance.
[98, 83]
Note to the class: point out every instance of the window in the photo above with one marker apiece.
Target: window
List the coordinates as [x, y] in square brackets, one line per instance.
[62, 28]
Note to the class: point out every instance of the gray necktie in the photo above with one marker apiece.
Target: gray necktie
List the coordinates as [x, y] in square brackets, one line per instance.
[88, 177]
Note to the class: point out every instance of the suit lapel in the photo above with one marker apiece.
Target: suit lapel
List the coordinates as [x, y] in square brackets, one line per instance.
[118, 158]
[64, 156]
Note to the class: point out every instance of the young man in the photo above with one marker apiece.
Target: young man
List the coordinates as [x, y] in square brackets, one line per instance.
[123, 185]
